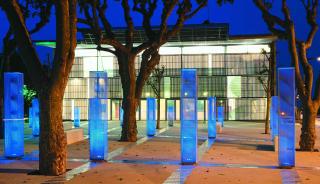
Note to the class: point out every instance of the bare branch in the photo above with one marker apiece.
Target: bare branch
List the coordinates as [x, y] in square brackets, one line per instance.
[312, 21]
[24, 43]
[129, 22]
[44, 16]
[271, 19]
[142, 8]
[106, 49]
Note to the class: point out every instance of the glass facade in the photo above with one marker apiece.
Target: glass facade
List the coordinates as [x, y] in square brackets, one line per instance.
[227, 71]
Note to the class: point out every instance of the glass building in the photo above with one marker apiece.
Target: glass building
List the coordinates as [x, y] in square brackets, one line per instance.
[228, 67]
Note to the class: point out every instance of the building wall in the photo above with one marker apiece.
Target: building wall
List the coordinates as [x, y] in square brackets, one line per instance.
[228, 72]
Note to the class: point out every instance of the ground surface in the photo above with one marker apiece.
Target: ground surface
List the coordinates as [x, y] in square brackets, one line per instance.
[240, 154]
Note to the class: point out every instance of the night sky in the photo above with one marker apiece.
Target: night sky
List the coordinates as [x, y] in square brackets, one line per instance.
[243, 17]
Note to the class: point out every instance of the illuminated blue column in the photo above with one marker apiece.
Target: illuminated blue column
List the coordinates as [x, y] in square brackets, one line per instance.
[98, 85]
[170, 112]
[188, 116]
[151, 116]
[35, 117]
[76, 120]
[98, 116]
[212, 132]
[274, 117]
[98, 127]
[286, 92]
[121, 116]
[220, 112]
[13, 115]
[30, 117]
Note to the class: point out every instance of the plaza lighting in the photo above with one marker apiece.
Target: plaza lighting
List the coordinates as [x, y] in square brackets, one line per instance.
[188, 116]
[35, 117]
[151, 116]
[13, 115]
[286, 107]
[76, 121]
[212, 132]
[220, 112]
[98, 117]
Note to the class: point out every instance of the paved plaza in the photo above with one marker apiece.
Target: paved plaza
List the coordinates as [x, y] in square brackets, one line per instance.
[240, 154]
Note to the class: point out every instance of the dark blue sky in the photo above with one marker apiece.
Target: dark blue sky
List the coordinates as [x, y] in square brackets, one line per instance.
[243, 17]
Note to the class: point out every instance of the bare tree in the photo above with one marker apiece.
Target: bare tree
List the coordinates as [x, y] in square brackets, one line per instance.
[284, 28]
[154, 82]
[266, 84]
[132, 83]
[49, 85]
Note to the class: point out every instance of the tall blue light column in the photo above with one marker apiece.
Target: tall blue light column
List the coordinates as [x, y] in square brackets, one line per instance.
[76, 117]
[13, 115]
[170, 112]
[98, 116]
[274, 117]
[286, 93]
[188, 116]
[212, 123]
[121, 116]
[151, 116]
[220, 112]
[35, 117]
[30, 116]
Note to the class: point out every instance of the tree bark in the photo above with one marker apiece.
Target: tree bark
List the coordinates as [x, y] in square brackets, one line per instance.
[52, 145]
[130, 101]
[308, 131]
[129, 126]
[267, 123]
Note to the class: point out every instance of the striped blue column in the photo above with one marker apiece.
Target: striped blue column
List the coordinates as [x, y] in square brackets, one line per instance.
[212, 129]
[30, 116]
[170, 112]
[286, 109]
[121, 116]
[188, 116]
[13, 115]
[151, 116]
[98, 116]
[220, 112]
[274, 117]
[76, 119]
[35, 117]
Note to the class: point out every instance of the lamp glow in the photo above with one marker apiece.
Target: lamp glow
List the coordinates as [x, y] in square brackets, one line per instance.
[13, 115]
[286, 107]
[76, 120]
[188, 116]
[212, 130]
[151, 116]
[220, 112]
[35, 117]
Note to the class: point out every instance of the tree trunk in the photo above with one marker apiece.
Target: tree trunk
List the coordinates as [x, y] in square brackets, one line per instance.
[158, 110]
[267, 123]
[129, 126]
[308, 131]
[52, 145]
[130, 101]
